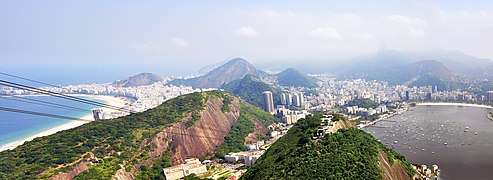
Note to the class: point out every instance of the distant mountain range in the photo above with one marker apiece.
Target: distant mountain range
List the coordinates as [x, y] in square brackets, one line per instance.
[442, 68]
[238, 68]
[141, 79]
[232, 70]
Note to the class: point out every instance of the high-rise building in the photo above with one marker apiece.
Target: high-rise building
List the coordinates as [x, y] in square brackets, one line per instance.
[407, 95]
[296, 100]
[283, 99]
[302, 99]
[268, 101]
[289, 100]
[489, 96]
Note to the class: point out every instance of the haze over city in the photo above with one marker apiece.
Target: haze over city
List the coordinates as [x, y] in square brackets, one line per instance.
[178, 38]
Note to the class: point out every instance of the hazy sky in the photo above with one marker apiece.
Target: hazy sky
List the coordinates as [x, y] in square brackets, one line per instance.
[178, 37]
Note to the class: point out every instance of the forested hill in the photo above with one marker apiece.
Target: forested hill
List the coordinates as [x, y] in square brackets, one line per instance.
[250, 89]
[347, 154]
[138, 146]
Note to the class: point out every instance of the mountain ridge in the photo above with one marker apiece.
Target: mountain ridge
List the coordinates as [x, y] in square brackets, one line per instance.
[141, 79]
[232, 70]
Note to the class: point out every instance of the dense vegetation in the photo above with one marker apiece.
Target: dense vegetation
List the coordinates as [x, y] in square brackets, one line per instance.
[346, 154]
[292, 77]
[112, 142]
[250, 90]
[362, 103]
[235, 139]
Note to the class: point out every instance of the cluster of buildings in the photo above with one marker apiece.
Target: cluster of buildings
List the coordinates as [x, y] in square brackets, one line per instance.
[366, 112]
[292, 99]
[191, 166]
[334, 92]
[248, 157]
[141, 97]
[427, 173]
[288, 110]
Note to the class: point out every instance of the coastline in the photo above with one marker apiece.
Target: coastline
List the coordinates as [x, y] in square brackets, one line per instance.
[110, 100]
[453, 104]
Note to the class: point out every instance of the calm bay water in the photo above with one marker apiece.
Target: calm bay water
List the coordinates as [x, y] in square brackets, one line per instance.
[458, 139]
[15, 127]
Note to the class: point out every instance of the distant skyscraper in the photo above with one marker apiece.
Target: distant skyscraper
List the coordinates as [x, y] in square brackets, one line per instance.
[407, 95]
[283, 99]
[296, 100]
[268, 101]
[436, 89]
[289, 100]
[489, 96]
[302, 99]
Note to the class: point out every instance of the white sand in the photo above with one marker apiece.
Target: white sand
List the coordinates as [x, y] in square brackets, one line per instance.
[110, 100]
[454, 104]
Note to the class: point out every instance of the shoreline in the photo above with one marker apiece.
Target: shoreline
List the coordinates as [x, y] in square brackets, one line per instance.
[115, 101]
[453, 104]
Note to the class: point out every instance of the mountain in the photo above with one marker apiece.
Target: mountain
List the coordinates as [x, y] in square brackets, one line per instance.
[399, 68]
[142, 144]
[292, 77]
[458, 61]
[141, 79]
[250, 89]
[232, 70]
[346, 154]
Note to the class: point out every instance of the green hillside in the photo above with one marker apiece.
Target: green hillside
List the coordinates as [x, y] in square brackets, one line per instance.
[116, 142]
[292, 77]
[250, 90]
[347, 154]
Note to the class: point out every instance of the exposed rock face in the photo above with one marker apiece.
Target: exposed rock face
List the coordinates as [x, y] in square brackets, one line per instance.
[79, 168]
[391, 172]
[206, 134]
[259, 129]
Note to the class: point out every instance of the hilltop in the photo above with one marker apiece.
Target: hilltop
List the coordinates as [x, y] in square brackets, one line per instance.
[250, 89]
[349, 153]
[141, 79]
[292, 77]
[142, 144]
[234, 69]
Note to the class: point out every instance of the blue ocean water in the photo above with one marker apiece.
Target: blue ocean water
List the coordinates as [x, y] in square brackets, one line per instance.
[15, 126]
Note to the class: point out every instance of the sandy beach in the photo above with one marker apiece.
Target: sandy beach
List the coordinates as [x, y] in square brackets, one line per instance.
[454, 104]
[110, 100]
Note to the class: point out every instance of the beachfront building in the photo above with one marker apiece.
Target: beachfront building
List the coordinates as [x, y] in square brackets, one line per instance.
[191, 166]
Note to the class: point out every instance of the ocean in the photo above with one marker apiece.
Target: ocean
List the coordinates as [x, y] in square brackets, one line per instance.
[458, 139]
[15, 126]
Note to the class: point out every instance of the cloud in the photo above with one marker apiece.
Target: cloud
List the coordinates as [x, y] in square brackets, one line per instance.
[415, 26]
[247, 31]
[180, 42]
[325, 32]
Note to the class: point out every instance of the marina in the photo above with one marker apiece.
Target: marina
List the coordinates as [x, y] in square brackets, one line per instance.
[456, 138]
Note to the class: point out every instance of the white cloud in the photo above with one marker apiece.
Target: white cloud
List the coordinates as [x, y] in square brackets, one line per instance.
[180, 42]
[247, 31]
[325, 32]
[358, 35]
[415, 26]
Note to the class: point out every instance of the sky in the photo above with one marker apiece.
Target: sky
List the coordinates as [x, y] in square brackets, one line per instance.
[101, 41]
